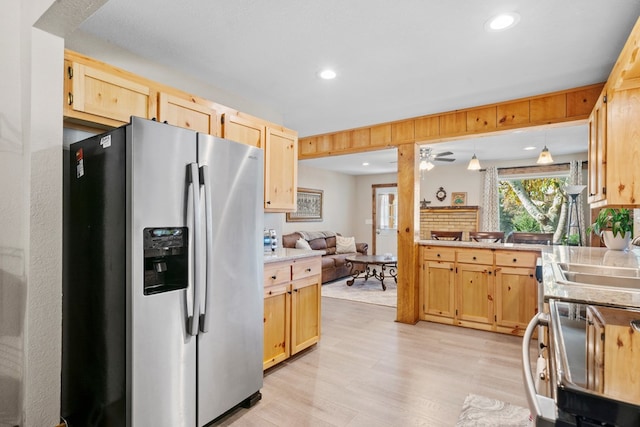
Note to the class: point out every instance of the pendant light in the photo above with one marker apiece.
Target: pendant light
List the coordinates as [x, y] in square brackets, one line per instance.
[474, 163]
[545, 157]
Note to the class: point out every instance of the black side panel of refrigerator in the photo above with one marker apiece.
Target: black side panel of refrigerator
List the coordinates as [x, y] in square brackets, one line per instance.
[93, 304]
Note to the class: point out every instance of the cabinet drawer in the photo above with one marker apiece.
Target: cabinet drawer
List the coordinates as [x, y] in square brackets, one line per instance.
[475, 257]
[277, 273]
[516, 258]
[274, 290]
[439, 254]
[306, 267]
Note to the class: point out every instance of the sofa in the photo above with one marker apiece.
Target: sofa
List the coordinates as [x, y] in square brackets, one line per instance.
[334, 264]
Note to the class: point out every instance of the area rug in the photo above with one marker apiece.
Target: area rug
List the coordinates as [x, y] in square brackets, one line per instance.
[480, 411]
[369, 291]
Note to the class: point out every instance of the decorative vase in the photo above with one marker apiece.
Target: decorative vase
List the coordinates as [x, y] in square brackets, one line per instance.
[618, 242]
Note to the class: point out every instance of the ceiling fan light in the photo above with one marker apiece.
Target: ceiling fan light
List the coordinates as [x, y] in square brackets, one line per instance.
[423, 165]
[474, 164]
[545, 157]
[429, 166]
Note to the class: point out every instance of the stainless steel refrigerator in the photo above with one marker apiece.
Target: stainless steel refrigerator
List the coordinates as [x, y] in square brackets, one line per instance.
[162, 290]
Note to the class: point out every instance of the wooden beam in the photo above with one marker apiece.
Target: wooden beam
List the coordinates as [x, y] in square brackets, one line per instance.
[553, 109]
[408, 232]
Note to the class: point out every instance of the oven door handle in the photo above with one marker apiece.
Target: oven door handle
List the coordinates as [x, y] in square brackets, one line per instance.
[542, 407]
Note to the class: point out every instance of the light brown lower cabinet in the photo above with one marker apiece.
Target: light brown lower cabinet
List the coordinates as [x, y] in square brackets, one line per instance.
[612, 343]
[292, 303]
[488, 289]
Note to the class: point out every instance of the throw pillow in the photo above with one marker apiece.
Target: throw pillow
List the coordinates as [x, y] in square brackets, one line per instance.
[302, 244]
[345, 245]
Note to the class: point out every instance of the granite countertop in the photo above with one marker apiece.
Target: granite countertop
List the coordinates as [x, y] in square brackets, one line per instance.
[483, 245]
[288, 254]
[556, 288]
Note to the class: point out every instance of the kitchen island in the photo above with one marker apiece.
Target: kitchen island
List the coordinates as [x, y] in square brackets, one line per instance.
[292, 297]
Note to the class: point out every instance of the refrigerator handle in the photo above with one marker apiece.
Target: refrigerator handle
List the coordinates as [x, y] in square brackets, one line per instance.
[208, 283]
[196, 264]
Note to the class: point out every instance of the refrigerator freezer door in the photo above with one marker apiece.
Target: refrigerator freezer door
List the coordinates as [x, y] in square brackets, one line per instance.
[230, 351]
[162, 361]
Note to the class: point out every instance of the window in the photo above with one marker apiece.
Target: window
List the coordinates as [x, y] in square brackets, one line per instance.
[531, 203]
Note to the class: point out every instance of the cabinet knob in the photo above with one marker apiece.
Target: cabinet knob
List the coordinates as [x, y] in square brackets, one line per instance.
[268, 202]
[270, 292]
[438, 255]
[70, 72]
[70, 98]
[308, 270]
[515, 260]
[295, 290]
[474, 258]
[273, 277]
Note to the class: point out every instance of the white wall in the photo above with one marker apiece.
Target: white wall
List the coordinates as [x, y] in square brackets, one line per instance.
[31, 217]
[338, 204]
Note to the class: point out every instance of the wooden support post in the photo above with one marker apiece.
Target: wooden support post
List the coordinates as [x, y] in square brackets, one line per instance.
[408, 232]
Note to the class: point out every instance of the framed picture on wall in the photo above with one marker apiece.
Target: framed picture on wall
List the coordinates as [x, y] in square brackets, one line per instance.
[309, 206]
[458, 199]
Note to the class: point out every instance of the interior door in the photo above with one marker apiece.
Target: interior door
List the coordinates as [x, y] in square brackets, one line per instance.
[385, 219]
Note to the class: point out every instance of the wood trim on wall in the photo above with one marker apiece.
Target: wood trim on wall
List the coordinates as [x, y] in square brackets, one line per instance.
[561, 108]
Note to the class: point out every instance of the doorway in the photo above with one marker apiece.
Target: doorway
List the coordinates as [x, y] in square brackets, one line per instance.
[384, 210]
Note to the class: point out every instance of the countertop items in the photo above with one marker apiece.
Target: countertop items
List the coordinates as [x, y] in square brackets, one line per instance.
[286, 254]
[600, 276]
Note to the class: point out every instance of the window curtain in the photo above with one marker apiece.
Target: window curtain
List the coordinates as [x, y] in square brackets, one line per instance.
[490, 200]
[575, 178]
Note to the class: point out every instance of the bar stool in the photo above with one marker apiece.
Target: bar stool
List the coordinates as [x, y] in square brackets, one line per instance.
[495, 236]
[531, 238]
[446, 235]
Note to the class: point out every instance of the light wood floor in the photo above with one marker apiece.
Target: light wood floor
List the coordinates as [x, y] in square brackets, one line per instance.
[369, 370]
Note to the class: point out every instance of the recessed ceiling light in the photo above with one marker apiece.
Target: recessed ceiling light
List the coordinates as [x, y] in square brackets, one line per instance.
[529, 148]
[365, 164]
[327, 74]
[502, 22]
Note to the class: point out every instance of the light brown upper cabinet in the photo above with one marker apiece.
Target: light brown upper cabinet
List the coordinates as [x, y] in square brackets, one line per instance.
[280, 170]
[243, 130]
[188, 112]
[597, 149]
[613, 132]
[95, 95]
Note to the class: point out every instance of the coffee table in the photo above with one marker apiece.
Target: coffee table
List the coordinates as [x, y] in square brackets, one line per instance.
[366, 266]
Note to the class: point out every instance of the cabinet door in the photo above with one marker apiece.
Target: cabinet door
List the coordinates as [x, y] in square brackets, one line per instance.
[277, 321]
[475, 293]
[622, 147]
[597, 150]
[243, 130]
[438, 284]
[305, 313]
[189, 113]
[516, 298]
[280, 171]
[595, 350]
[98, 96]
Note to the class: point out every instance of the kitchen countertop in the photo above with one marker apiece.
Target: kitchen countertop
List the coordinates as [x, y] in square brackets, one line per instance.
[584, 293]
[288, 254]
[483, 245]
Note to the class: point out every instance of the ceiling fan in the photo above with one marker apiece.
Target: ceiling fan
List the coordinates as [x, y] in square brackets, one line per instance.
[428, 155]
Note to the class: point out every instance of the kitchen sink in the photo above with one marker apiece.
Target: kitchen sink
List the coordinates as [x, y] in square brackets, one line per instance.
[608, 280]
[599, 270]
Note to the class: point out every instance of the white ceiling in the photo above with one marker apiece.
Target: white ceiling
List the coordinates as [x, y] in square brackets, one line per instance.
[395, 59]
